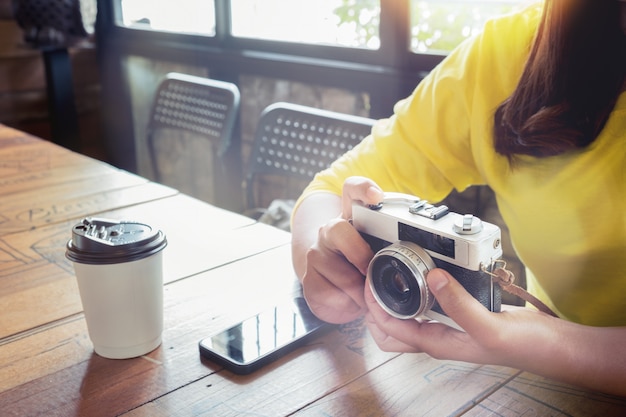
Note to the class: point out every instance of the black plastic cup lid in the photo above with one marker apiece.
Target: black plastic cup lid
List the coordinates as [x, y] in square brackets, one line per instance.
[105, 241]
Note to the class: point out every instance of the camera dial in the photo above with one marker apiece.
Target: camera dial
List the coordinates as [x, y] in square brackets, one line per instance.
[467, 225]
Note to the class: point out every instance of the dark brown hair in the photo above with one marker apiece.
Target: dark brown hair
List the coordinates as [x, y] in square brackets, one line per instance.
[571, 81]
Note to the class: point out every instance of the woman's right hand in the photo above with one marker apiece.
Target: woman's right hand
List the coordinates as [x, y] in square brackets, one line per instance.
[336, 263]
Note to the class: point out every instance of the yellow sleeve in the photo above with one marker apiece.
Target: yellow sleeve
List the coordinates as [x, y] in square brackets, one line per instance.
[440, 137]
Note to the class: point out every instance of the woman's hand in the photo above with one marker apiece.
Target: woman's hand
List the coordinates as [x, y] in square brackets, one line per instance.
[335, 273]
[517, 337]
[477, 344]
[337, 258]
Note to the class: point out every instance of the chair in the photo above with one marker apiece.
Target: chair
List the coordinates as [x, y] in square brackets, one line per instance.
[291, 145]
[189, 135]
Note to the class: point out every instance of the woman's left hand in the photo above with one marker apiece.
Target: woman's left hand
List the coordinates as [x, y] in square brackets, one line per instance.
[511, 337]
[517, 337]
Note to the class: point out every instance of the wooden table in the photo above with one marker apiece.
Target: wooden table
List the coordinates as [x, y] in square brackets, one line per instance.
[220, 267]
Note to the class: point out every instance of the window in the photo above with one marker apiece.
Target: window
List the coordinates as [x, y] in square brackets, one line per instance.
[440, 25]
[437, 26]
[180, 16]
[347, 23]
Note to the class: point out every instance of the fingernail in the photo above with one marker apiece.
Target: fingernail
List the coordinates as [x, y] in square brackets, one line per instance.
[437, 280]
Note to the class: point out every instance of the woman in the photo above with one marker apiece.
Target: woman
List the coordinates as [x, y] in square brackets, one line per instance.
[534, 108]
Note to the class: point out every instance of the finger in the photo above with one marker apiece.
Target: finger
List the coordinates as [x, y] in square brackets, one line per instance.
[327, 302]
[436, 339]
[332, 281]
[341, 237]
[458, 304]
[384, 341]
[359, 189]
[342, 275]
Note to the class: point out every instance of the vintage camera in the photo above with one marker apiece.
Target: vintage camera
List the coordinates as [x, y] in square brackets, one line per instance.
[410, 237]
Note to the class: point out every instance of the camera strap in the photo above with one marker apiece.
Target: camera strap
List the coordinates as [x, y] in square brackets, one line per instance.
[506, 278]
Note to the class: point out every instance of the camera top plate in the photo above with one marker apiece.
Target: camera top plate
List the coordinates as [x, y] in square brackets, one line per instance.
[469, 242]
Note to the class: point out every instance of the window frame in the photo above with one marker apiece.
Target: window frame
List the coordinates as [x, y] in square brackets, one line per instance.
[394, 48]
[386, 74]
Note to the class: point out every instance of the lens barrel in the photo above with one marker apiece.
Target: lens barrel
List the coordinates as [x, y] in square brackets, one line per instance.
[397, 277]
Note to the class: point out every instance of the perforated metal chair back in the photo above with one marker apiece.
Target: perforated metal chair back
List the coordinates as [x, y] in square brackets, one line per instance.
[296, 142]
[199, 109]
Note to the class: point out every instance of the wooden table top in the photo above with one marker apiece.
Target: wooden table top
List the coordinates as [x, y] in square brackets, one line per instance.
[219, 267]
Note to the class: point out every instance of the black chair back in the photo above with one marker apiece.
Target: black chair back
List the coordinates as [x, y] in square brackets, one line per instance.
[191, 117]
[295, 142]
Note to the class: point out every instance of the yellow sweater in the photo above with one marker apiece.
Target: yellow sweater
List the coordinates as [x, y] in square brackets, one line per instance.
[566, 214]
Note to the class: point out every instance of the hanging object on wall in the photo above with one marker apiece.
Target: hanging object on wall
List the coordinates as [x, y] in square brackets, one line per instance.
[57, 23]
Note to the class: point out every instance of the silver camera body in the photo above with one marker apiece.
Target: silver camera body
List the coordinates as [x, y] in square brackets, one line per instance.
[410, 237]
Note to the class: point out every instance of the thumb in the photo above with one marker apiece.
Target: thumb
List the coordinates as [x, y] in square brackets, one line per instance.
[456, 302]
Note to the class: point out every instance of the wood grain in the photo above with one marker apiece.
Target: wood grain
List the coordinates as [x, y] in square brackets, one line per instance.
[51, 292]
[55, 362]
[414, 384]
[219, 268]
[529, 394]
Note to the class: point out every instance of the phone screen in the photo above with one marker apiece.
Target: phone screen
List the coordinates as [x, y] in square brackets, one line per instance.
[263, 337]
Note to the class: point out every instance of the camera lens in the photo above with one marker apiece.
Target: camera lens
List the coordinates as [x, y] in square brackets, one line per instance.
[400, 286]
[396, 286]
[397, 276]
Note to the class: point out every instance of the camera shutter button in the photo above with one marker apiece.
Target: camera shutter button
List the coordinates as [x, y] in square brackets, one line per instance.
[468, 225]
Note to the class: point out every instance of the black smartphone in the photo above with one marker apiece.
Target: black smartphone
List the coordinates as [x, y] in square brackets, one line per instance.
[264, 337]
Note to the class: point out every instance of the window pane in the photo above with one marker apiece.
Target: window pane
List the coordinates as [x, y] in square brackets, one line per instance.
[440, 25]
[182, 16]
[348, 23]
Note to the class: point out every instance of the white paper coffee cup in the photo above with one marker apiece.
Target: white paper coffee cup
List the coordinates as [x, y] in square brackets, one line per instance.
[118, 267]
